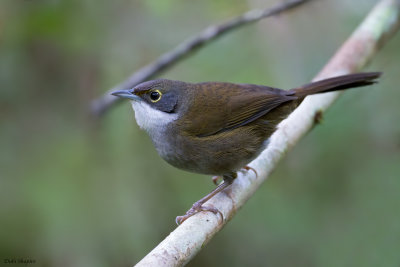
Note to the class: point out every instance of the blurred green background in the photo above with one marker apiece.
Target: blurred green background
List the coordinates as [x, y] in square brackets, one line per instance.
[76, 191]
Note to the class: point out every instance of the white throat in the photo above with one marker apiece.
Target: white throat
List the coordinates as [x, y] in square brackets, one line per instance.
[151, 120]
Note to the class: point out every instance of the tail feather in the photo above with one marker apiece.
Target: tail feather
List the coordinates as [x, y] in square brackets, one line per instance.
[337, 83]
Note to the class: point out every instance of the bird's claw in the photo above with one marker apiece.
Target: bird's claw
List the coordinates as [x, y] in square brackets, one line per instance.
[215, 179]
[196, 208]
[247, 168]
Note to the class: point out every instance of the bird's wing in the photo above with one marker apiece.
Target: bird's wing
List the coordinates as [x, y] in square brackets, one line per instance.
[221, 107]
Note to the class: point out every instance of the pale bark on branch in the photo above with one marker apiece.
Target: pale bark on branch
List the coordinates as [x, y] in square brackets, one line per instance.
[102, 104]
[187, 239]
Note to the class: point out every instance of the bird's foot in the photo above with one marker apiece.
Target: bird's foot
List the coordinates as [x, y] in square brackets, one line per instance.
[196, 208]
[247, 168]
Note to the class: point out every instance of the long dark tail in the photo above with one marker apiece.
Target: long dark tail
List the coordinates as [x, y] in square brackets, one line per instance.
[337, 83]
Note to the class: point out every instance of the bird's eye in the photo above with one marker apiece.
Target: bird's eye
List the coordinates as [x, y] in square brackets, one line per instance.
[155, 96]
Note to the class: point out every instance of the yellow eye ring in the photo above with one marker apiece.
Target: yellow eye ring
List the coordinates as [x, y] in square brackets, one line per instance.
[155, 96]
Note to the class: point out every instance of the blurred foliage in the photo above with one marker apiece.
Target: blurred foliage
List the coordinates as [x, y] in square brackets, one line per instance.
[76, 191]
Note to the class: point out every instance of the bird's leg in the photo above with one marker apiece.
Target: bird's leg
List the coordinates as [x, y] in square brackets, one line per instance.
[244, 169]
[198, 206]
[247, 168]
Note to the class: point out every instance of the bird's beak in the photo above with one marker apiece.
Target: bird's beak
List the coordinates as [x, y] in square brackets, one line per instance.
[126, 94]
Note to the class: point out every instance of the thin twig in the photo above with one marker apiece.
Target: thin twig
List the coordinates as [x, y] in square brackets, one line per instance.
[187, 239]
[102, 104]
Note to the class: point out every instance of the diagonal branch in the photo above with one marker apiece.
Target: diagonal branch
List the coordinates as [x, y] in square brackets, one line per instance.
[187, 239]
[102, 104]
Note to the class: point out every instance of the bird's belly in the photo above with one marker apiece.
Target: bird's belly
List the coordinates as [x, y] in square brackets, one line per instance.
[211, 156]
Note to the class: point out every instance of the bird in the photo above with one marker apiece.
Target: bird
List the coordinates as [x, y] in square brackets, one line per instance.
[218, 128]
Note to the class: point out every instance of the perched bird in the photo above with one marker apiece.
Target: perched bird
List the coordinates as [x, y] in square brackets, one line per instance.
[217, 128]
